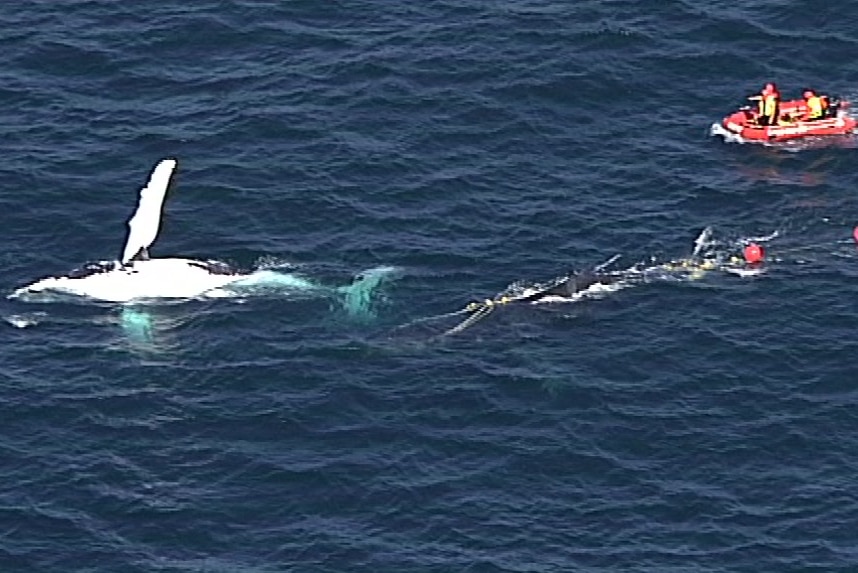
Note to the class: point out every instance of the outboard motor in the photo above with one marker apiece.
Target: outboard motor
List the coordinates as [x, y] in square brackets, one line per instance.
[834, 106]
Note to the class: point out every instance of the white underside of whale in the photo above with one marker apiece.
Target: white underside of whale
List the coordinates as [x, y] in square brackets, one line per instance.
[137, 278]
[141, 280]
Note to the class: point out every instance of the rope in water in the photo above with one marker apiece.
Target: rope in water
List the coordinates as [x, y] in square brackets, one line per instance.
[481, 309]
[695, 264]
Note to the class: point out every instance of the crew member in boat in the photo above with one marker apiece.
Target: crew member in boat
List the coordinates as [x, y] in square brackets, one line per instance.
[768, 105]
[816, 105]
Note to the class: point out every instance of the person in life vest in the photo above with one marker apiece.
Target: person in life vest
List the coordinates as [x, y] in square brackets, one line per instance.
[768, 105]
[817, 106]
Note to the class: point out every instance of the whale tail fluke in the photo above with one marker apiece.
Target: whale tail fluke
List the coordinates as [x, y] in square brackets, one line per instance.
[357, 299]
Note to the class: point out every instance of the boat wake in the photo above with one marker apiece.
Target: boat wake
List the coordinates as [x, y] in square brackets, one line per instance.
[718, 130]
[843, 141]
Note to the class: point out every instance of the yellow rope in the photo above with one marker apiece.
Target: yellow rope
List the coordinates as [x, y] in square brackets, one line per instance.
[479, 314]
[480, 310]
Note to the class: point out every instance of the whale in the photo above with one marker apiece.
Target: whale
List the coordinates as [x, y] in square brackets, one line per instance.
[137, 278]
[141, 280]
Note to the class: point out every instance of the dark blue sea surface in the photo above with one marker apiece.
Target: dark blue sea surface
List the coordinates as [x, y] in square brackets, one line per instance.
[703, 425]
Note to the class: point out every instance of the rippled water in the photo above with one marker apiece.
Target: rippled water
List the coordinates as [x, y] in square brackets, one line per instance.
[704, 425]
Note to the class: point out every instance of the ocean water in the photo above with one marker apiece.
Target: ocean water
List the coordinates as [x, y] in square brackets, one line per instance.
[678, 425]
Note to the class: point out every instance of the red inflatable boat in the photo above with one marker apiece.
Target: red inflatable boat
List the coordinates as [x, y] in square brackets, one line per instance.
[744, 123]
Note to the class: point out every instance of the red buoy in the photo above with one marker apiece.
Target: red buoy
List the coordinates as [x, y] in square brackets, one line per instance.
[753, 253]
[855, 234]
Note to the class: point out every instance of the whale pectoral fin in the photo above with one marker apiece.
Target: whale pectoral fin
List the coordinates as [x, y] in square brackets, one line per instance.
[137, 324]
[142, 255]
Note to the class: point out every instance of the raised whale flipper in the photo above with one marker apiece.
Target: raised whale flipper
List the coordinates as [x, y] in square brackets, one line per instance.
[143, 226]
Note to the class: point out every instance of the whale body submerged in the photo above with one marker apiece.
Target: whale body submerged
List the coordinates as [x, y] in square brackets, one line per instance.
[137, 278]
